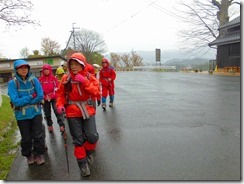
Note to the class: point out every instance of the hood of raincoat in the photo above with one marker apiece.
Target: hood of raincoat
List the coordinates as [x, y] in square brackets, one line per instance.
[47, 66]
[59, 71]
[20, 62]
[90, 68]
[80, 58]
[104, 60]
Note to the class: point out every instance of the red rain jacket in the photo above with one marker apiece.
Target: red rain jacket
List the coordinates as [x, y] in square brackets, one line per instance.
[89, 88]
[105, 73]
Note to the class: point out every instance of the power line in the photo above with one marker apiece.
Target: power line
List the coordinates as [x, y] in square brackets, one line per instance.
[165, 11]
[130, 17]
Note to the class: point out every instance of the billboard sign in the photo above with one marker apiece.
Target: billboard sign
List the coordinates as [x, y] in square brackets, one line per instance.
[158, 55]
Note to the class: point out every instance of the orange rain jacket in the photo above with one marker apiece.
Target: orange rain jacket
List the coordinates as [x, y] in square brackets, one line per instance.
[89, 88]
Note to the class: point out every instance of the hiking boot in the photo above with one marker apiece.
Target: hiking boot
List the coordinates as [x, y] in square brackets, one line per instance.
[62, 129]
[90, 159]
[104, 106]
[30, 159]
[111, 104]
[50, 129]
[84, 168]
[39, 159]
[90, 156]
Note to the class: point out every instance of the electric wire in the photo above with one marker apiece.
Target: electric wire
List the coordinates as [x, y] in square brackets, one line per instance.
[130, 17]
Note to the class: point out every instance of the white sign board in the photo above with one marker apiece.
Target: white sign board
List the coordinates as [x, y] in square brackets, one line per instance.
[5, 65]
[36, 63]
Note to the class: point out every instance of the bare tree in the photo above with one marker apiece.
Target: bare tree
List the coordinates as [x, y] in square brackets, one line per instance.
[88, 42]
[115, 60]
[126, 59]
[136, 60]
[24, 53]
[204, 18]
[223, 7]
[16, 12]
[50, 47]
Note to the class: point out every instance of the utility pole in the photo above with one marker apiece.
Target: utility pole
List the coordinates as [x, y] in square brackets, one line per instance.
[71, 35]
[73, 32]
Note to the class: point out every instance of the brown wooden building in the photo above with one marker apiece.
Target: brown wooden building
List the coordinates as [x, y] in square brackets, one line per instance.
[7, 70]
[228, 46]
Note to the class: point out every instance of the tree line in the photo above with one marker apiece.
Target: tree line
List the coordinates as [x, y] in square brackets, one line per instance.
[203, 16]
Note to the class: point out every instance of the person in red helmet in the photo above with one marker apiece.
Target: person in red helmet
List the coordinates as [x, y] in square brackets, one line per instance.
[74, 98]
[107, 76]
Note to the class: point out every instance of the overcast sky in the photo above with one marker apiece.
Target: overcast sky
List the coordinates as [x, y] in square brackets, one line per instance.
[124, 24]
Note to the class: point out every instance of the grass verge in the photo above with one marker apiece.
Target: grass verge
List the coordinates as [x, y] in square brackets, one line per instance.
[8, 144]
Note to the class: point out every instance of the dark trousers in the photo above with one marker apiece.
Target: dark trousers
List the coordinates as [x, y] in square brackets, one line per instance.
[84, 134]
[48, 112]
[83, 130]
[32, 136]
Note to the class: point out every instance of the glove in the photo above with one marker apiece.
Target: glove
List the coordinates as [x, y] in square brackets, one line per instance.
[34, 95]
[61, 110]
[98, 102]
[79, 78]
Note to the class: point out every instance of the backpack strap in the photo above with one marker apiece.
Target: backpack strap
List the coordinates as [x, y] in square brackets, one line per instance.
[18, 85]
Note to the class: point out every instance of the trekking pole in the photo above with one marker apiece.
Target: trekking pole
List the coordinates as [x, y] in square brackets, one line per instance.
[65, 143]
[66, 149]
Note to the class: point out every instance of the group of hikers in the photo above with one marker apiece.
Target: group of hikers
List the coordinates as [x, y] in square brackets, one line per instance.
[76, 94]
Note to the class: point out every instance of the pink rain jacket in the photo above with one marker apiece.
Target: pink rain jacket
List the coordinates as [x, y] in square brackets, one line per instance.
[49, 83]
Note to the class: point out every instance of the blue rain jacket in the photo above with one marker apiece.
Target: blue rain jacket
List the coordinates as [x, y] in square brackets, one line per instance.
[26, 107]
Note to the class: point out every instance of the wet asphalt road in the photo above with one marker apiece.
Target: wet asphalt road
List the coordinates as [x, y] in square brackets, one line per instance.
[165, 126]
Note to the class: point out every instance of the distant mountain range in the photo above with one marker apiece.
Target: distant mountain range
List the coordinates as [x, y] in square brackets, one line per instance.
[174, 58]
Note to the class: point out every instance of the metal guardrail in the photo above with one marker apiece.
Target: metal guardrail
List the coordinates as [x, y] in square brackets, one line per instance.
[155, 67]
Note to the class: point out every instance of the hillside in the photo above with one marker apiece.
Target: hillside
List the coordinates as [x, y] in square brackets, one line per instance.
[167, 55]
[197, 63]
[186, 62]
[175, 58]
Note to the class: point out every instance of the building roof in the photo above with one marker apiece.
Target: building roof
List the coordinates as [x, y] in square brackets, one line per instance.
[231, 23]
[36, 58]
[228, 38]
